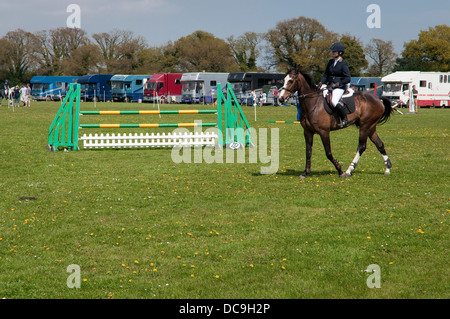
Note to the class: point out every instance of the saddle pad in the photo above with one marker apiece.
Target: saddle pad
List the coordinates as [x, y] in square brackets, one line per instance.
[349, 103]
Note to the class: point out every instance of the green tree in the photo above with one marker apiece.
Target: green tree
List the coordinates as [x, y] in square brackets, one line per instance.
[202, 51]
[120, 50]
[158, 59]
[301, 42]
[354, 54]
[16, 56]
[382, 56]
[55, 48]
[245, 50]
[85, 60]
[430, 52]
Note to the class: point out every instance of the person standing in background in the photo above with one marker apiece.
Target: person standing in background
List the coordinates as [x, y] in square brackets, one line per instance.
[415, 93]
[16, 96]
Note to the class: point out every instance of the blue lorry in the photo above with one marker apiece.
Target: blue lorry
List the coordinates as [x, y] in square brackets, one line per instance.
[367, 84]
[128, 88]
[50, 88]
[96, 87]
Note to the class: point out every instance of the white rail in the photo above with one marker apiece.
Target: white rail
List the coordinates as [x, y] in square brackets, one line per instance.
[149, 140]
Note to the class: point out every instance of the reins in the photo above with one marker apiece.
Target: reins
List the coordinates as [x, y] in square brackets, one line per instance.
[303, 96]
[308, 94]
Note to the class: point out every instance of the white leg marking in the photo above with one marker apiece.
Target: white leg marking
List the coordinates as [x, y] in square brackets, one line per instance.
[353, 164]
[388, 170]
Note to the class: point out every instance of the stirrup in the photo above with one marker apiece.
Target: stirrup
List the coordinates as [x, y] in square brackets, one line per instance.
[343, 123]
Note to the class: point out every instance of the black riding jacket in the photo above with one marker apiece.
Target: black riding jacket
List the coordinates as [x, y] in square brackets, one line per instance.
[337, 74]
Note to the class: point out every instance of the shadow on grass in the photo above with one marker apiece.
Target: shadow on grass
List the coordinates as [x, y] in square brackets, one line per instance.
[292, 172]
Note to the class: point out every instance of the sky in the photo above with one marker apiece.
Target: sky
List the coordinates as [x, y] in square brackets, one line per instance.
[161, 21]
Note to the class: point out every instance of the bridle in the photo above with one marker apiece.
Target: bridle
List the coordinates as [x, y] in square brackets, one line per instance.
[302, 96]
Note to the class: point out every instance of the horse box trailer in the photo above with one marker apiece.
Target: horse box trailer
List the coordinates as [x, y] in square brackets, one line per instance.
[50, 88]
[163, 85]
[201, 87]
[433, 87]
[367, 84]
[128, 88]
[243, 83]
[95, 87]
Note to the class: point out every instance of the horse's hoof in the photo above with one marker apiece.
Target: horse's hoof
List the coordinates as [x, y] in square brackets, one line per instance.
[345, 174]
[387, 173]
[302, 176]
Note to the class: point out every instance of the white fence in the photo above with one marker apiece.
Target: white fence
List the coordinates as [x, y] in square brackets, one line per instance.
[149, 140]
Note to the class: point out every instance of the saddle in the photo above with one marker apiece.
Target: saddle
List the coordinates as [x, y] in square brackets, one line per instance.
[347, 99]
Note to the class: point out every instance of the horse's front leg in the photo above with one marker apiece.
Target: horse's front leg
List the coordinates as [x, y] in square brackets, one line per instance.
[359, 152]
[309, 138]
[325, 136]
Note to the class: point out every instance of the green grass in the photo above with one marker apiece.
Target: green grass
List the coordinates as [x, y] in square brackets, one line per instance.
[141, 226]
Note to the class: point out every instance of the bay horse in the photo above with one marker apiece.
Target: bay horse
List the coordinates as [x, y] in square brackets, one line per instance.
[369, 111]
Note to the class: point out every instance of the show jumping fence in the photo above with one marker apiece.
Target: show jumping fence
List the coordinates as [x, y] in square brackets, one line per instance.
[284, 122]
[232, 126]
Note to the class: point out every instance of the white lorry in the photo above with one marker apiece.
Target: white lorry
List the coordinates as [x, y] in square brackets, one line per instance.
[201, 87]
[433, 88]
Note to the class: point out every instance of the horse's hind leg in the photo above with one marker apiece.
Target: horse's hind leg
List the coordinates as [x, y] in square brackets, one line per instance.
[380, 146]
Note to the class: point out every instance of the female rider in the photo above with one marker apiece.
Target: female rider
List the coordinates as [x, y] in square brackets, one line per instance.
[337, 76]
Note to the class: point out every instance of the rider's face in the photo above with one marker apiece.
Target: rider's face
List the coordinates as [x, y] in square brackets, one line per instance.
[335, 54]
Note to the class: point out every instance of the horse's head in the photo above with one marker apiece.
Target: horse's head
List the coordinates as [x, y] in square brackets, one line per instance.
[291, 85]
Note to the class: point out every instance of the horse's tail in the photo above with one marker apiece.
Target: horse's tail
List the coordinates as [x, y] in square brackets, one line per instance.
[387, 110]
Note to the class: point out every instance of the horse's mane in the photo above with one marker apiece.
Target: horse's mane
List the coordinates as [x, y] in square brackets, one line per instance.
[307, 77]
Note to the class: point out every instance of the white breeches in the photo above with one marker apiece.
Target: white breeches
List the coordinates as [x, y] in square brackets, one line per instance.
[337, 94]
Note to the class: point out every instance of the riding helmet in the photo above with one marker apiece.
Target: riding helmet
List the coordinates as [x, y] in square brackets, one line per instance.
[339, 47]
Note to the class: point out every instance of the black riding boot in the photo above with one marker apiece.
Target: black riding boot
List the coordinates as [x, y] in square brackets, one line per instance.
[342, 114]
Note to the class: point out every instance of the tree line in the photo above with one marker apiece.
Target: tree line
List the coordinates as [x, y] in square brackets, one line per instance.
[296, 42]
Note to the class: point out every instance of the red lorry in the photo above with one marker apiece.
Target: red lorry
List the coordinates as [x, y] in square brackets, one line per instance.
[165, 87]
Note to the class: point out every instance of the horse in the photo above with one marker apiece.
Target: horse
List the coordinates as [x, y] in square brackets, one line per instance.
[369, 112]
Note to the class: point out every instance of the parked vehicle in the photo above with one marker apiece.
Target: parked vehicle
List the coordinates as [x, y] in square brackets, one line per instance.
[201, 87]
[128, 88]
[367, 84]
[50, 88]
[433, 87]
[243, 83]
[163, 85]
[96, 87]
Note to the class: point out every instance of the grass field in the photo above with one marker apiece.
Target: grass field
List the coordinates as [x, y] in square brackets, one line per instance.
[140, 226]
